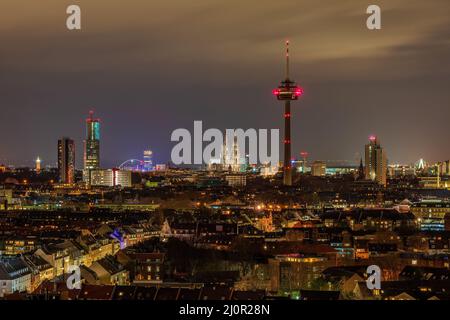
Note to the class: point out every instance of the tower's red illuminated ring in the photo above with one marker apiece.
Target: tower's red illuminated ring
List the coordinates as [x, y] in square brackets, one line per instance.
[288, 91]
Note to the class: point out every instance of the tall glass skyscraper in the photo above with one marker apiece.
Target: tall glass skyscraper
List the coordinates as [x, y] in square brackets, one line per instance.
[66, 161]
[148, 162]
[376, 162]
[91, 146]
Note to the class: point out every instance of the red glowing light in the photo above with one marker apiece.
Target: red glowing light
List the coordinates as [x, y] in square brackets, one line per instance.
[298, 91]
[372, 138]
[91, 117]
[288, 92]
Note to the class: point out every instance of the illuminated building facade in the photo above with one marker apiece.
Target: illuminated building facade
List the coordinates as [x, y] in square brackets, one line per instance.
[92, 145]
[15, 276]
[215, 164]
[148, 161]
[340, 170]
[161, 167]
[6, 198]
[304, 156]
[19, 246]
[398, 170]
[444, 168]
[376, 162]
[38, 165]
[149, 267]
[299, 165]
[231, 156]
[66, 161]
[236, 180]
[430, 214]
[268, 171]
[319, 168]
[110, 178]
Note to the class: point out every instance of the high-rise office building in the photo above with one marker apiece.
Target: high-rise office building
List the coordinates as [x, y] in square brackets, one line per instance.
[148, 162]
[319, 168]
[444, 168]
[91, 145]
[110, 178]
[66, 161]
[304, 156]
[376, 162]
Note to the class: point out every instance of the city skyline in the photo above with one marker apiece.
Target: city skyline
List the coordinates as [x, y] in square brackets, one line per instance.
[138, 154]
[80, 163]
[357, 82]
[227, 158]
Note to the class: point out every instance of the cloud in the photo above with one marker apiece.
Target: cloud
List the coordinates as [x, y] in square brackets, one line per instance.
[171, 61]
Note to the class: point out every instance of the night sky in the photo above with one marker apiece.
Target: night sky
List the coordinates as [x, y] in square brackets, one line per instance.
[149, 67]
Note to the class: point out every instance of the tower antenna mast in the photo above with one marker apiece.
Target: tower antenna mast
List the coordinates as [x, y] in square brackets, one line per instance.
[287, 59]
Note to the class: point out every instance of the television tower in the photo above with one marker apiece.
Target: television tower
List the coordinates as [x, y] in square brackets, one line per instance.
[287, 91]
